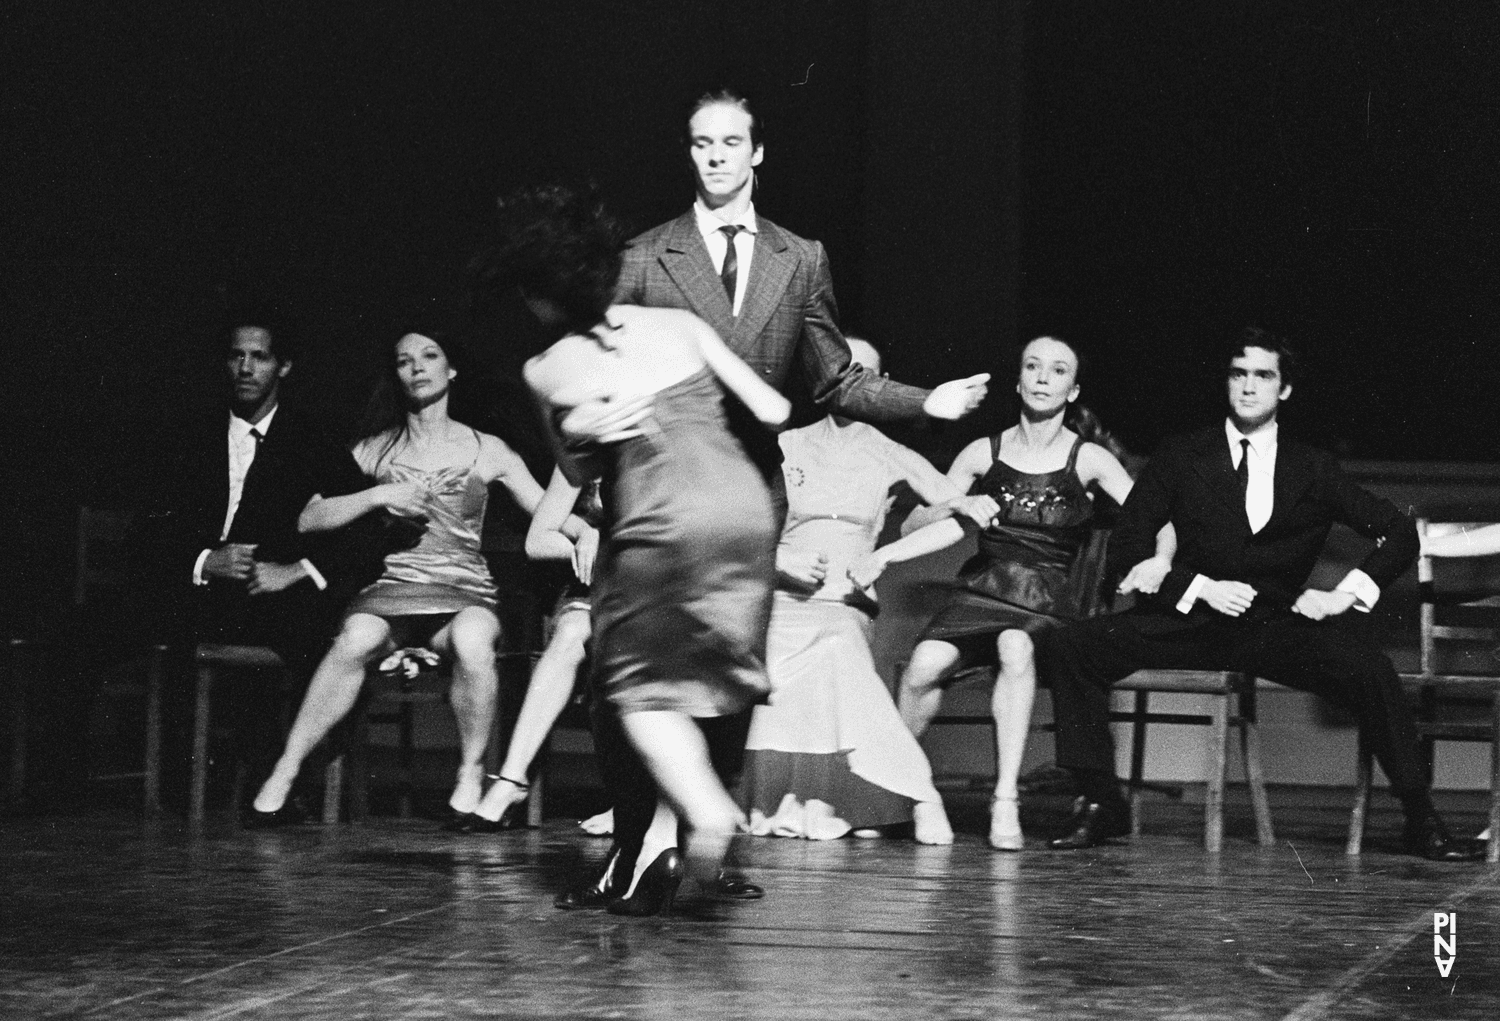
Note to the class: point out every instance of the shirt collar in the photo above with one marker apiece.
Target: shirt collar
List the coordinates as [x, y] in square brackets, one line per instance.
[1262, 440]
[239, 428]
[708, 223]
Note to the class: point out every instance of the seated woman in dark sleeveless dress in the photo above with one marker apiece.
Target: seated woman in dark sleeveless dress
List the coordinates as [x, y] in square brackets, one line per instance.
[682, 587]
[434, 472]
[1037, 473]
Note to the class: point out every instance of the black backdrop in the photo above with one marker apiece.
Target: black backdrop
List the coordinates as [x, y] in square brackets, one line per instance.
[1133, 176]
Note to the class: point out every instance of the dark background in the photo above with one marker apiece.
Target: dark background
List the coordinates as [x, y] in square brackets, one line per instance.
[1136, 177]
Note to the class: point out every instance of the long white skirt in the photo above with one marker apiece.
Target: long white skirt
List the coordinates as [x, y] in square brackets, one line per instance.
[829, 753]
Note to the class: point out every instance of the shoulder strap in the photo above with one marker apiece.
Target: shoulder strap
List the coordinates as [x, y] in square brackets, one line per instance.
[995, 447]
[1073, 455]
[478, 447]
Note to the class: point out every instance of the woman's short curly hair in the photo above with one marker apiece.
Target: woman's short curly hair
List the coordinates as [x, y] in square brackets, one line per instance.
[557, 243]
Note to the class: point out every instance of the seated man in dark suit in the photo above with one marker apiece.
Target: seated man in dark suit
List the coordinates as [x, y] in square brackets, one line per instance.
[243, 573]
[1252, 510]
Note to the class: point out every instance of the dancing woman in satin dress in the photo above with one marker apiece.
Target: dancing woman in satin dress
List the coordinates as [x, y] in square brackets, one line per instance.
[683, 582]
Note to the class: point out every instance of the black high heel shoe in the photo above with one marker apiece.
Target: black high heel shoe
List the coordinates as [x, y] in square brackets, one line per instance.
[510, 818]
[654, 890]
[610, 884]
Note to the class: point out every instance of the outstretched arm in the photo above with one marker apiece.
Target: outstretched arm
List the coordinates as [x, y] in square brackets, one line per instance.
[971, 463]
[936, 536]
[764, 402]
[556, 533]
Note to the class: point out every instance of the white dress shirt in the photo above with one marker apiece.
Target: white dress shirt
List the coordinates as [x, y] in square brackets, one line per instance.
[1260, 498]
[244, 441]
[718, 245]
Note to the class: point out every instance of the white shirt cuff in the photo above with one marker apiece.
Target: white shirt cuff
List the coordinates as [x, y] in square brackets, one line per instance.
[314, 574]
[1366, 593]
[198, 578]
[1185, 604]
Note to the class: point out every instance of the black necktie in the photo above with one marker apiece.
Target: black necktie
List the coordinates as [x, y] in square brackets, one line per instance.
[731, 261]
[1243, 471]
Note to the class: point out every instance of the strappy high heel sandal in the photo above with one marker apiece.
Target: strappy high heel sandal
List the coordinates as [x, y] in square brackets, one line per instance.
[509, 818]
[1005, 824]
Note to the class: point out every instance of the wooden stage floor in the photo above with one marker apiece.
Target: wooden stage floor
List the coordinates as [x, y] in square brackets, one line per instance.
[101, 918]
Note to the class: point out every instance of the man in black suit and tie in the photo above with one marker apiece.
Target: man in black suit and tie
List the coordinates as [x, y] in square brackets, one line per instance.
[232, 551]
[1252, 510]
[769, 294]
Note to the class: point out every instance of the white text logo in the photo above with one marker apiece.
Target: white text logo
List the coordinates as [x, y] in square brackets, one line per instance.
[1444, 947]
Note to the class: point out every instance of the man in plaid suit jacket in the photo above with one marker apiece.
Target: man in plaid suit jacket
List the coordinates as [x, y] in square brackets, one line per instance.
[769, 294]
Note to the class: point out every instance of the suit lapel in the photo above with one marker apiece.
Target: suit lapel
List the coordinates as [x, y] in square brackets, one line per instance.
[770, 271]
[216, 466]
[1217, 469]
[686, 261]
[1293, 476]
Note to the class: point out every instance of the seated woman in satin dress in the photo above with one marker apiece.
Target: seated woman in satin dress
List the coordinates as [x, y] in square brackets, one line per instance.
[683, 582]
[435, 473]
[1036, 477]
[829, 753]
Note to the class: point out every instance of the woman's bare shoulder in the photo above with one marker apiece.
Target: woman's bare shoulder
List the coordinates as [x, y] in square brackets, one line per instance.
[555, 366]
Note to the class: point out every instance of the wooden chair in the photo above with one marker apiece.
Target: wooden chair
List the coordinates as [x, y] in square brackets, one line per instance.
[394, 700]
[103, 569]
[1235, 707]
[103, 585]
[1460, 706]
[209, 659]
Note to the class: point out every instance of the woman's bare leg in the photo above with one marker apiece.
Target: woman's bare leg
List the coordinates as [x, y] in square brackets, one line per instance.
[551, 685]
[330, 695]
[469, 638]
[675, 752]
[661, 836]
[921, 693]
[1015, 691]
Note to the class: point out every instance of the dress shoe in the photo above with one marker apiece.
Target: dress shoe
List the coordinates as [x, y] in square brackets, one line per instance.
[1429, 838]
[596, 894]
[728, 887]
[289, 814]
[1092, 824]
[654, 890]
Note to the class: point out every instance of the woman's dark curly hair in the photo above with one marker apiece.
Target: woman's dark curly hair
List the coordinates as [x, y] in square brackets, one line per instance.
[556, 243]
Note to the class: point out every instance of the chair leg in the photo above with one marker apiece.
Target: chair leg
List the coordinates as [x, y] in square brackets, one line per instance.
[1492, 853]
[408, 761]
[1213, 802]
[156, 669]
[333, 789]
[535, 802]
[1255, 779]
[1138, 758]
[201, 704]
[1362, 780]
[19, 694]
[359, 765]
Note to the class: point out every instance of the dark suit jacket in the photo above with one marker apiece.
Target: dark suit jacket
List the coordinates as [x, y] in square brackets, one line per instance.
[295, 460]
[789, 315]
[1191, 482]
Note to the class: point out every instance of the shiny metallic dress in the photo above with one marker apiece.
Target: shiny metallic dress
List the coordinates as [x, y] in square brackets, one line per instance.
[444, 573]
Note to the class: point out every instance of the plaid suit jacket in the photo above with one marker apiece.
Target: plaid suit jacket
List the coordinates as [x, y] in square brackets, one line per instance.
[789, 318]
